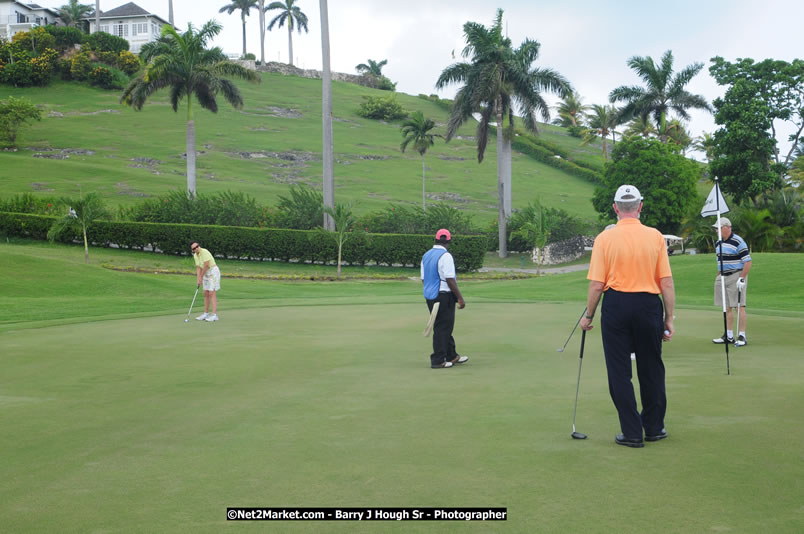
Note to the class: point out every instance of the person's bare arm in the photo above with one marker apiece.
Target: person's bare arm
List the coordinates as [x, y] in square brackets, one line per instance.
[669, 297]
[592, 300]
[453, 286]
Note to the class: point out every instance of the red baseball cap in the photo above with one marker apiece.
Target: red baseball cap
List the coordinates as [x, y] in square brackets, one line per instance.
[443, 235]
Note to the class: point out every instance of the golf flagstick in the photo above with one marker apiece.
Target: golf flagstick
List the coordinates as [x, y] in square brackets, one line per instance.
[737, 326]
[431, 321]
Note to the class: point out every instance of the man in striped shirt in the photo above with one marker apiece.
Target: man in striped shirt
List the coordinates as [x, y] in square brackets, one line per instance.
[736, 264]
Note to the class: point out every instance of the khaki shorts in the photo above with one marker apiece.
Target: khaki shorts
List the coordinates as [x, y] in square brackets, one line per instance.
[212, 279]
[731, 291]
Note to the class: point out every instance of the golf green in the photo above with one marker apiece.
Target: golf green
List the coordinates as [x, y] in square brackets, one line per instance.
[152, 425]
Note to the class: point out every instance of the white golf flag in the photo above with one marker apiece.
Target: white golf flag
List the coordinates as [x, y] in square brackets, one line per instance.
[710, 207]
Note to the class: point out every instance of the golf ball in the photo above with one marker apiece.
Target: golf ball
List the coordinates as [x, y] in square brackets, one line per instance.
[187, 320]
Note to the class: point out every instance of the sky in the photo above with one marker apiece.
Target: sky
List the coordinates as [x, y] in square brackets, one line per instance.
[589, 42]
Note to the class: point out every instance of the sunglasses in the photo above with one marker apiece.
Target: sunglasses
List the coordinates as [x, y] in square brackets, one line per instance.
[194, 248]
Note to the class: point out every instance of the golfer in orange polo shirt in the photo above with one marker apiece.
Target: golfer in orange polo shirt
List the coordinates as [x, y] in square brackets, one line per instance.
[630, 266]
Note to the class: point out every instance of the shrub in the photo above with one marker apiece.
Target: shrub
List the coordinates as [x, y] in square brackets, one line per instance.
[66, 36]
[107, 56]
[303, 209]
[102, 41]
[381, 108]
[403, 220]
[81, 66]
[28, 203]
[225, 209]
[249, 56]
[128, 62]
[19, 74]
[64, 69]
[34, 41]
[44, 66]
[101, 77]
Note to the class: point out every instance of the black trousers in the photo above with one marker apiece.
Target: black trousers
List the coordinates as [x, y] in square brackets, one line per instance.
[443, 342]
[634, 322]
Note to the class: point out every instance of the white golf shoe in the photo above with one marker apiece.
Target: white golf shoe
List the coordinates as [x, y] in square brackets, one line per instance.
[202, 317]
[212, 317]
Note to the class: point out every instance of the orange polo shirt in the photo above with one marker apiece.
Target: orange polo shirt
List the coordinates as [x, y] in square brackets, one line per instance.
[630, 257]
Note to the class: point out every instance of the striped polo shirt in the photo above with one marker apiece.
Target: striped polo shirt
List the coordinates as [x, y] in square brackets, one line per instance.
[735, 254]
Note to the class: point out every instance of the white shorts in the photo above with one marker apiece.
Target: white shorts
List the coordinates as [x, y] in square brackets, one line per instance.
[212, 279]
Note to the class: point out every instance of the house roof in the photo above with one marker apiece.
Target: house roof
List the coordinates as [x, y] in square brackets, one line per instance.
[126, 10]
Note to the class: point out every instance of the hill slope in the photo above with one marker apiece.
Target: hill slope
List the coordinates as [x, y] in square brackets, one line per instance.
[274, 142]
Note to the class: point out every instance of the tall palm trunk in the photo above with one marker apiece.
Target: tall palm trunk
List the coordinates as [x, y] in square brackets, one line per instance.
[604, 138]
[243, 19]
[170, 13]
[190, 149]
[97, 15]
[507, 200]
[501, 220]
[290, 42]
[328, 156]
[262, 31]
[424, 208]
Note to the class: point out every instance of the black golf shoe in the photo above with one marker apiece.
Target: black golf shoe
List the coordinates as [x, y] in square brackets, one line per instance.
[619, 439]
[657, 437]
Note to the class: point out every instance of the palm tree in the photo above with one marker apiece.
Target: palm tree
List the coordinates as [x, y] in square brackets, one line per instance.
[245, 7]
[571, 111]
[344, 224]
[81, 216]
[373, 68]
[328, 154]
[662, 92]
[496, 78]
[640, 125]
[416, 130]
[183, 63]
[291, 15]
[677, 133]
[602, 122]
[97, 15]
[261, 11]
[72, 13]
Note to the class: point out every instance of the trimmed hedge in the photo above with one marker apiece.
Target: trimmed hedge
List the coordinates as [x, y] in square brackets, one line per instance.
[544, 155]
[255, 243]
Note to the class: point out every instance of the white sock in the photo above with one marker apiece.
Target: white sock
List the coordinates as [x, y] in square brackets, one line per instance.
[730, 334]
[743, 334]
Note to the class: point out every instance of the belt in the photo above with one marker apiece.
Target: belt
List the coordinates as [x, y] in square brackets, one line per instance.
[729, 273]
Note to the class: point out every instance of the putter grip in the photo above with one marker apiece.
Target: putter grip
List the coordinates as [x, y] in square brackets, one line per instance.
[583, 340]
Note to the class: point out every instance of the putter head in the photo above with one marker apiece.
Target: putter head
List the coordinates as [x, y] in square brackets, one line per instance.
[187, 320]
[578, 435]
[560, 350]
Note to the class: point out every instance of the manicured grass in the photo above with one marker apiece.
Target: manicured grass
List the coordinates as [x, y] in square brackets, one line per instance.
[319, 394]
[121, 138]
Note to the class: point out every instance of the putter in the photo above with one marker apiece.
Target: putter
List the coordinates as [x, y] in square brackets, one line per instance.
[187, 320]
[578, 435]
[573, 331]
[431, 321]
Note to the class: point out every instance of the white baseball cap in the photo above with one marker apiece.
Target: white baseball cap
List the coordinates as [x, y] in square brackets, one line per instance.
[723, 222]
[627, 193]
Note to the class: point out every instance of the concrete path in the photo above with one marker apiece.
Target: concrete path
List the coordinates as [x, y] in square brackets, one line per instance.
[545, 270]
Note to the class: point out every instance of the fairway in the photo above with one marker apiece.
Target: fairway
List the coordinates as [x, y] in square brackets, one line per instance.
[153, 425]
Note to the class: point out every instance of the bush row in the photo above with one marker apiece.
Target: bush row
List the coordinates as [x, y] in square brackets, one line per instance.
[547, 157]
[255, 243]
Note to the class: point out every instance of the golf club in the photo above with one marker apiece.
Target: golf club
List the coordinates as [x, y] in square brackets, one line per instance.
[573, 331]
[187, 320]
[578, 435]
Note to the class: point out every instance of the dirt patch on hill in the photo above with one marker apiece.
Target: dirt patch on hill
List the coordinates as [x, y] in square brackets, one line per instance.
[40, 186]
[122, 188]
[446, 197]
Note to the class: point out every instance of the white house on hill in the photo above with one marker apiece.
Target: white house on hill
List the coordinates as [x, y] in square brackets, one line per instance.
[132, 23]
[17, 17]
